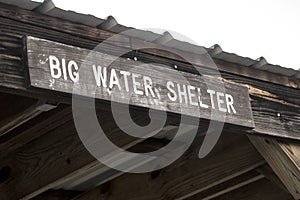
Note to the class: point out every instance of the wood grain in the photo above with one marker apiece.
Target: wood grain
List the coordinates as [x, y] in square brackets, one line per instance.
[55, 157]
[57, 195]
[228, 186]
[74, 29]
[16, 111]
[48, 159]
[34, 128]
[12, 77]
[38, 52]
[284, 159]
[260, 190]
[187, 176]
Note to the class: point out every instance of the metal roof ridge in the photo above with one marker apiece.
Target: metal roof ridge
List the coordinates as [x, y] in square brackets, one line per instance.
[111, 24]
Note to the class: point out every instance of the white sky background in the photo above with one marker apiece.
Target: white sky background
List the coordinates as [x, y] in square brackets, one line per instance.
[250, 28]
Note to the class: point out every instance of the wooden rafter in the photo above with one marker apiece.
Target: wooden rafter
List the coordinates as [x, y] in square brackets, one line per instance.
[283, 158]
[188, 176]
[262, 189]
[60, 154]
[16, 111]
[228, 186]
[34, 128]
[46, 156]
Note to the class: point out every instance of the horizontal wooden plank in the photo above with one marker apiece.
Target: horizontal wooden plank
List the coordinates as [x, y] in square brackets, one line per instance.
[12, 72]
[20, 30]
[273, 118]
[59, 67]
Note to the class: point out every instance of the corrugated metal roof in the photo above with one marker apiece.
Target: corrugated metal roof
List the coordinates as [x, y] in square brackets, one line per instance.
[111, 24]
[26, 4]
[75, 17]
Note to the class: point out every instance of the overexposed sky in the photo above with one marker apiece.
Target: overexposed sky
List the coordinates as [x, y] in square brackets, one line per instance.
[250, 28]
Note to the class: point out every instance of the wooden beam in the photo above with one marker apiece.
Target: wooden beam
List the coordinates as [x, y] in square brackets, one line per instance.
[236, 105]
[54, 158]
[64, 31]
[263, 94]
[54, 24]
[268, 100]
[283, 158]
[262, 189]
[57, 195]
[228, 186]
[271, 176]
[187, 176]
[275, 115]
[14, 25]
[133, 187]
[18, 119]
[225, 162]
[34, 128]
[15, 111]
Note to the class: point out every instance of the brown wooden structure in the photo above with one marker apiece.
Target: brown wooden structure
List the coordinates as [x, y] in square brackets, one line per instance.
[42, 156]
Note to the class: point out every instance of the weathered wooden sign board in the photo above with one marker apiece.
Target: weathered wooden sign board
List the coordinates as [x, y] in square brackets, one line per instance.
[73, 70]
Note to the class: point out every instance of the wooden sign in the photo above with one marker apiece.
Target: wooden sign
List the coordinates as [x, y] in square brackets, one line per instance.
[73, 70]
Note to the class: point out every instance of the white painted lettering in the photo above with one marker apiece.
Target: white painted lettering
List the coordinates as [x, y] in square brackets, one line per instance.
[125, 75]
[100, 76]
[211, 93]
[148, 85]
[55, 70]
[221, 101]
[229, 101]
[192, 95]
[74, 75]
[202, 105]
[171, 94]
[64, 68]
[136, 84]
[182, 93]
[114, 79]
